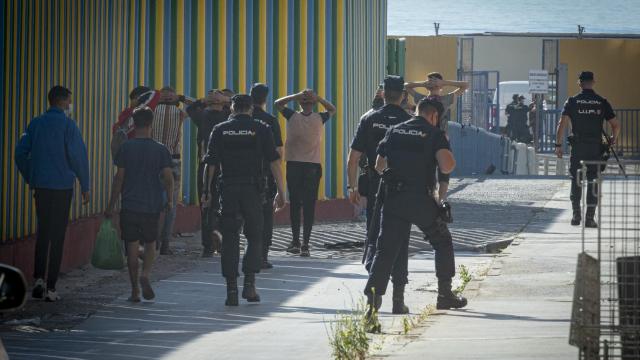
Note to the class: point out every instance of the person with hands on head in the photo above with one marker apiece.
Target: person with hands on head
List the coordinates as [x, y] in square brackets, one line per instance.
[259, 94]
[50, 156]
[240, 147]
[144, 173]
[435, 85]
[303, 146]
[206, 113]
[585, 112]
[167, 130]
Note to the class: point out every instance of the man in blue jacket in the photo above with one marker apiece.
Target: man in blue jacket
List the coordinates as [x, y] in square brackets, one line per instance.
[50, 155]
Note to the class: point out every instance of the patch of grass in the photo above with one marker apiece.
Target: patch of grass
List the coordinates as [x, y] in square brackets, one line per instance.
[348, 335]
[465, 276]
[407, 324]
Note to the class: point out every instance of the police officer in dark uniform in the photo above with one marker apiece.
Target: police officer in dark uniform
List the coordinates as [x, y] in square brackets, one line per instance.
[371, 129]
[407, 159]
[239, 147]
[259, 94]
[587, 112]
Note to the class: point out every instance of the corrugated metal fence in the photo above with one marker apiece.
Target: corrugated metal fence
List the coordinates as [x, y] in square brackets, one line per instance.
[102, 49]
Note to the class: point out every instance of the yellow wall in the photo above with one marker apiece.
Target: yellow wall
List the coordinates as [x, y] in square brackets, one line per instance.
[615, 62]
[425, 54]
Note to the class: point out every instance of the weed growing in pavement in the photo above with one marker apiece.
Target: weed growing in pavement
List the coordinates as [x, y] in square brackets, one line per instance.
[407, 324]
[348, 334]
[465, 276]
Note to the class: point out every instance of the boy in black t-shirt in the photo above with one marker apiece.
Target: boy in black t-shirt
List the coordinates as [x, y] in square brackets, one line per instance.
[144, 173]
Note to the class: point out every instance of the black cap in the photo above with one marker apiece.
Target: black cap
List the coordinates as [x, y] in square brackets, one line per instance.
[585, 76]
[241, 100]
[515, 96]
[394, 83]
[521, 97]
[259, 90]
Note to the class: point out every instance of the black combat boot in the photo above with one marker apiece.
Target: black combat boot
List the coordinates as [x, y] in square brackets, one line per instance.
[249, 289]
[447, 299]
[304, 249]
[294, 247]
[577, 217]
[371, 316]
[589, 220]
[232, 292]
[398, 300]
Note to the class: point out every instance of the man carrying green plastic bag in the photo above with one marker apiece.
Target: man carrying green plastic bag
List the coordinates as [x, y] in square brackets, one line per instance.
[107, 254]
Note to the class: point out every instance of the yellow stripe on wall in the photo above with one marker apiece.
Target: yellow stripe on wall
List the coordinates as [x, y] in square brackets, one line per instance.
[242, 47]
[142, 41]
[202, 13]
[159, 45]
[222, 45]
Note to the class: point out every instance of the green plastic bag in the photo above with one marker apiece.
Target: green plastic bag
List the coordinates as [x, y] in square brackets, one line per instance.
[107, 254]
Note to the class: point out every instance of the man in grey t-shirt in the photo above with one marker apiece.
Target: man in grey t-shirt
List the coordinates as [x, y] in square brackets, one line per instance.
[435, 85]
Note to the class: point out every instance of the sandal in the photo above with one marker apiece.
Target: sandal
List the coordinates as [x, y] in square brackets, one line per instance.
[147, 291]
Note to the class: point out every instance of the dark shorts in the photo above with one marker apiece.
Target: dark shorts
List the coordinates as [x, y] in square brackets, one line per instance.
[136, 226]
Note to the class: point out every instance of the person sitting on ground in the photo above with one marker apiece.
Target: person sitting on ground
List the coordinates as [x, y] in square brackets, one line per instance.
[303, 147]
[144, 172]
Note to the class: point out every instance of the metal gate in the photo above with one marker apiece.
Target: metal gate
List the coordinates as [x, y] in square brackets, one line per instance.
[605, 321]
[476, 106]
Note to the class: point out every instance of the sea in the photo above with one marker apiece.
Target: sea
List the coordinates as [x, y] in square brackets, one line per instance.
[417, 17]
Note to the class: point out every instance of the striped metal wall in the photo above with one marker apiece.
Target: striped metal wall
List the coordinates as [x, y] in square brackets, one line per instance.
[101, 49]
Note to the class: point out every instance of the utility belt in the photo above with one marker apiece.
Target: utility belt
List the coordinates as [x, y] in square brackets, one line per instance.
[394, 184]
[579, 139]
[242, 180]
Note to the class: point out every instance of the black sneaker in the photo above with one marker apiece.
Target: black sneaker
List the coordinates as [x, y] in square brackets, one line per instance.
[304, 251]
[399, 308]
[450, 301]
[294, 248]
[165, 251]
[576, 219]
[590, 223]
[266, 265]
[38, 289]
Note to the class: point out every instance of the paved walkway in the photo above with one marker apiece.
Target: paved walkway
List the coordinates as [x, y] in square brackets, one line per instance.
[301, 297]
[522, 309]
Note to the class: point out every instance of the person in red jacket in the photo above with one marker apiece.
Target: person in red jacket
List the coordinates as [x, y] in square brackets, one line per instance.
[124, 128]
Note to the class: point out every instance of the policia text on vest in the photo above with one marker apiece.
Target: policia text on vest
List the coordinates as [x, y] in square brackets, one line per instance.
[240, 147]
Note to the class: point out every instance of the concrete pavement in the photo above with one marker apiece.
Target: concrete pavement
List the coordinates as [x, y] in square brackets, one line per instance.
[301, 297]
[521, 309]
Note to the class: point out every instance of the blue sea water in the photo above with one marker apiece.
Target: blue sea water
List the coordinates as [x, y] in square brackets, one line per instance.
[416, 17]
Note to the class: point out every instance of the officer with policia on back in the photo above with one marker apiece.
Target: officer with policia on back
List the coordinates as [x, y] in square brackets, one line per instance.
[586, 112]
[239, 147]
[407, 160]
[371, 129]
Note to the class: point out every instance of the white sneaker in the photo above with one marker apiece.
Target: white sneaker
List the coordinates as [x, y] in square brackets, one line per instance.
[52, 296]
[38, 289]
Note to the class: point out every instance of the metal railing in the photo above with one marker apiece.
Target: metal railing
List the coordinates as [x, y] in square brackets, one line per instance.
[628, 145]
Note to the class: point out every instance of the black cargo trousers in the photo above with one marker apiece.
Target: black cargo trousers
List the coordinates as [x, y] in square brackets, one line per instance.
[585, 151]
[437, 234]
[241, 201]
[400, 211]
